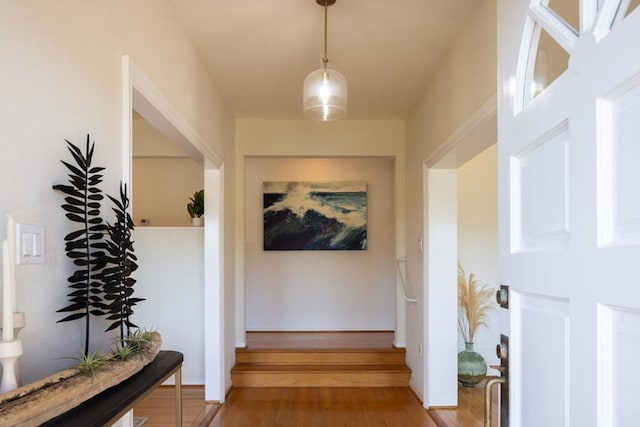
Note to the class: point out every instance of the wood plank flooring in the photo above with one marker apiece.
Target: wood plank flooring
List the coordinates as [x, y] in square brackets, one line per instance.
[159, 407]
[470, 410]
[322, 407]
[313, 406]
[327, 406]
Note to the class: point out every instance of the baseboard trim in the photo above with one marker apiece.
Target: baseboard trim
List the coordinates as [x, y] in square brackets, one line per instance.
[415, 393]
[399, 344]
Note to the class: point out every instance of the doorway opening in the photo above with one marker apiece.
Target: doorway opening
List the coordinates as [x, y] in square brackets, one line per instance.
[169, 249]
[460, 222]
[141, 96]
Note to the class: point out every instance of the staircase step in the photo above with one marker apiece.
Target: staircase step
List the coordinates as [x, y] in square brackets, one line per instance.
[322, 375]
[302, 359]
[319, 357]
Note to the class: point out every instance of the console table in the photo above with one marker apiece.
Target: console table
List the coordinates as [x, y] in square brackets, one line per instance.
[110, 405]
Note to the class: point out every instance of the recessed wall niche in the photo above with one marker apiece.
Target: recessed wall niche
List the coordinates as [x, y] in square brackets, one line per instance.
[164, 177]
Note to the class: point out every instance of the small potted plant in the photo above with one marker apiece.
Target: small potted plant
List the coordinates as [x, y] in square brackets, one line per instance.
[196, 208]
[474, 304]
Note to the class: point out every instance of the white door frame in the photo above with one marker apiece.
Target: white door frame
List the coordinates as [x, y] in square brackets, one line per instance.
[440, 258]
[139, 92]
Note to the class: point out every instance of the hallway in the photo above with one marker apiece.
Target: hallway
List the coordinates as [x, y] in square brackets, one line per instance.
[314, 406]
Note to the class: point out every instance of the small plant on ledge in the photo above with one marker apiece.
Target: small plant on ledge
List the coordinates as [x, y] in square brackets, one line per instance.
[196, 207]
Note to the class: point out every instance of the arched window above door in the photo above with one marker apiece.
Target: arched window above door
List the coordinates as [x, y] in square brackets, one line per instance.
[551, 31]
[550, 34]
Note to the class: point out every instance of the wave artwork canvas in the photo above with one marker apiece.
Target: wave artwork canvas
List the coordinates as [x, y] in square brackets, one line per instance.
[315, 216]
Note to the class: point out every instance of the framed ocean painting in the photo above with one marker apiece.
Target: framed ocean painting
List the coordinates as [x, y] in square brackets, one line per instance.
[315, 216]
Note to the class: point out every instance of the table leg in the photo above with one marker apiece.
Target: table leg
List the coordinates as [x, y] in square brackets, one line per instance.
[178, 388]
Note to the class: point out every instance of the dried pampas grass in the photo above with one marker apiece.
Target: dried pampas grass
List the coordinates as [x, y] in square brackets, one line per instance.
[474, 304]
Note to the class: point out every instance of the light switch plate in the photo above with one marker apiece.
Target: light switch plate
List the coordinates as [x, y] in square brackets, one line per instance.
[30, 244]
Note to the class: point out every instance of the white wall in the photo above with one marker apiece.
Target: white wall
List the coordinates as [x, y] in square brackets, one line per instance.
[464, 80]
[149, 142]
[321, 290]
[62, 78]
[478, 236]
[171, 279]
[308, 139]
[161, 190]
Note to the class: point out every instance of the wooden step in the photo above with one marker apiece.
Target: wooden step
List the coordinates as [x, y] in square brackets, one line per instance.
[320, 357]
[322, 375]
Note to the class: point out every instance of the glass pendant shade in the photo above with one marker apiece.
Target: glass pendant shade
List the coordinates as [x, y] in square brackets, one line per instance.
[325, 95]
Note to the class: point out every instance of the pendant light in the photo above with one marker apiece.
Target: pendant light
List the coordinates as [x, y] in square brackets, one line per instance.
[325, 89]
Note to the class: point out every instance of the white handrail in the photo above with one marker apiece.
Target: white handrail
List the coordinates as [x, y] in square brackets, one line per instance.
[403, 283]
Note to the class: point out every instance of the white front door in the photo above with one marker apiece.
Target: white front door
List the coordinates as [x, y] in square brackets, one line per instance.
[569, 190]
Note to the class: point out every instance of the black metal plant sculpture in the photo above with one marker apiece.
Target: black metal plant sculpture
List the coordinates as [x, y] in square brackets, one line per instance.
[118, 283]
[84, 246]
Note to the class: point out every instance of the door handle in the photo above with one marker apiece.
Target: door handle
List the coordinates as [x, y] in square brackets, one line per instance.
[488, 399]
[502, 296]
[502, 351]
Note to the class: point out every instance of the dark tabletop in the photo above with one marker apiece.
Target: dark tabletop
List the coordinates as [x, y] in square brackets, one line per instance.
[101, 408]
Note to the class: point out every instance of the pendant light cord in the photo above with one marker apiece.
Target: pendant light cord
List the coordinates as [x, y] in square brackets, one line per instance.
[325, 58]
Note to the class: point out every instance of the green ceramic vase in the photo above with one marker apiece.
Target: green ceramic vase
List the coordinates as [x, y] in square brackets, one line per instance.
[471, 366]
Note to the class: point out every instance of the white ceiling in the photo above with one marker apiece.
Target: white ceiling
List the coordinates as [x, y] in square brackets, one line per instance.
[259, 52]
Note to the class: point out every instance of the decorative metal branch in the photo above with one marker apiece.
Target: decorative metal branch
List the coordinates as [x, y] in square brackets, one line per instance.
[84, 246]
[118, 283]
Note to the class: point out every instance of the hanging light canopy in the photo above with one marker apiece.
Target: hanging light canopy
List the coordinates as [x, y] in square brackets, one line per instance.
[325, 89]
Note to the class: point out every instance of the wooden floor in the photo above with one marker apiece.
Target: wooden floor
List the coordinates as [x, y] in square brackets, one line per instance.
[322, 407]
[325, 407]
[313, 406]
[159, 407]
[470, 410]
